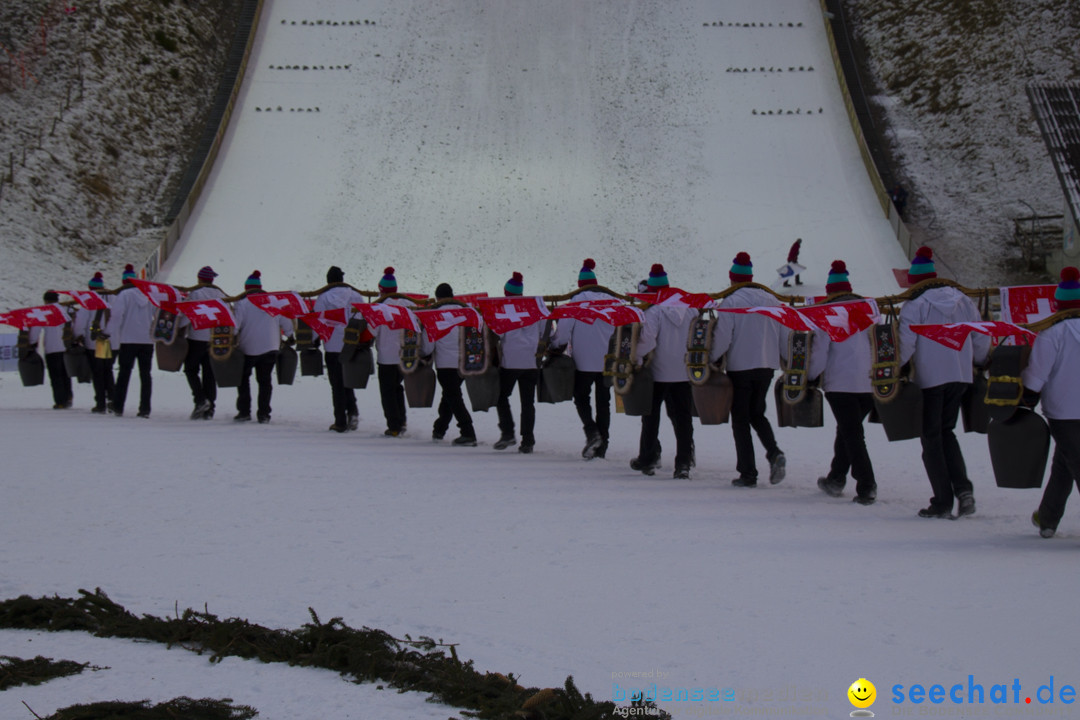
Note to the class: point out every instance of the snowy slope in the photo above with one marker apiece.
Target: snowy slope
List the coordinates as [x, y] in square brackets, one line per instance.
[553, 131]
[467, 140]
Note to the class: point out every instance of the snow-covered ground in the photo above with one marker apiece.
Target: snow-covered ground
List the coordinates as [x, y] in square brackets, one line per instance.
[542, 565]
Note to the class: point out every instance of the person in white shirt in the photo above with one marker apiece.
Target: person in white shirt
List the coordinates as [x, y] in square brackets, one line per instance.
[198, 368]
[86, 327]
[52, 339]
[664, 333]
[588, 345]
[131, 326]
[1051, 371]
[943, 375]
[346, 413]
[517, 366]
[846, 367]
[753, 345]
[388, 357]
[258, 336]
[447, 353]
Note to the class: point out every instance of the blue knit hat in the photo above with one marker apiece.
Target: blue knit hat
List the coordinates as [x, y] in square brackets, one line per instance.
[587, 276]
[657, 276]
[514, 286]
[254, 281]
[922, 266]
[388, 283]
[128, 274]
[97, 282]
[742, 270]
[838, 278]
[1068, 290]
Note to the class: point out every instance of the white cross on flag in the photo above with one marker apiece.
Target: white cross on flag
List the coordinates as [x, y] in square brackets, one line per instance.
[786, 316]
[438, 322]
[394, 317]
[954, 335]
[287, 303]
[206, 314]
[842, 320]
[160, 295]
[1027, 303]
[511, 313]
[674, 297]
[322, 323]
[38, 316]
[87, 299]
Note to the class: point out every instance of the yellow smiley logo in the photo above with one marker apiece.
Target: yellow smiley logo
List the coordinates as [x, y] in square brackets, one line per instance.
[862, 693]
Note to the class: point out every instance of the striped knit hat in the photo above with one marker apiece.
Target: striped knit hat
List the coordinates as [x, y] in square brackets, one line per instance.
[388, 283]
[657, 276]
[97, 282]
[1068, 290]
[838, 278]
[587, 276]
[514, 286]
[742, 270]
[922, 266]
[254, 281]
[129, 273]
[206, 274]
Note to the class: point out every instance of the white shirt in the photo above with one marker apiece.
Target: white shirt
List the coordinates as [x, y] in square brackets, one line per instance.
[588, 343]
[664, 333]
[258, 332]
[518, 347]
[387, 341]
[933, 363]
[1051, 370]
[751, 341]
[132, 318]
[334, 298]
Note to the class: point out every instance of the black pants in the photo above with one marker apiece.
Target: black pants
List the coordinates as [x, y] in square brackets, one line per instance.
[941, 454]
[129, 353]
[263, 365]
[849, 448]
[58, 378]
[525, 380]
[1064, 471]
[343, 398]
[200, 372]
[749, 390]
[678, 399]
[392, 394]
[584, 382]
[452, 404]
[101, 373]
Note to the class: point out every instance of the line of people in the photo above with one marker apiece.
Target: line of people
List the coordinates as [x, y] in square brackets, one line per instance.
[751, 346]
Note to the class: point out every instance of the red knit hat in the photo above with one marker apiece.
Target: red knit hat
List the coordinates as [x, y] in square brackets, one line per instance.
[742, 270]
[838, 278]
[922, 266]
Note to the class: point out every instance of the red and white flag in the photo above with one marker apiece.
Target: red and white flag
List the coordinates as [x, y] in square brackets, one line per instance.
[471, 298]
[842, 320]
[287, 303]
[1027, 303]
[394, 317]
[87, 299]
[321, 324]
[786, 316]
[160, 295]
[954, 335]
[674, 297]
[206, 314]
[438, 322]
[617, 315]
[38, 316]
[512, 313]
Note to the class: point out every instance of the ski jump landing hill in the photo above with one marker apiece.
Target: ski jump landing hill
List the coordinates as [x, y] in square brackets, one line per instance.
[462, 141]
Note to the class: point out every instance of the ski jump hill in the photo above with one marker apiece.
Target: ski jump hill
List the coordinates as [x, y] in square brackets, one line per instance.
[462, 141]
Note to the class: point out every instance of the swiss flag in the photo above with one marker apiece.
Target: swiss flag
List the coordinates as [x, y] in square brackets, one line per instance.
[38, 316]
[317, 322]
[206, 314]
[160, 295]
[617, 315]
[288, 303]
[1027, 303]
[87, 299]
[438, 322]
[471, 298]
[613, 312]
[394, 317]
[786, 316]
[511, 313]
[954, 335]
[675, 297]
[842, 320]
